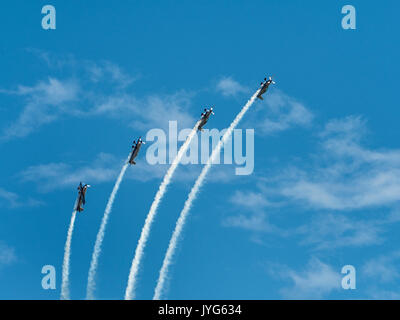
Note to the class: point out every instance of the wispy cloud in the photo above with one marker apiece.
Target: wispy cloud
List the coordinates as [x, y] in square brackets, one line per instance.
[102, 169]
[380, 276]
[251, 200]
[14, 200]
[150, 112]
[256, 222]
[7, 255]
[101, 89]
[316, 281]
[45, 102]
[329, 231]
[383, 268]
[93, 71]
[280, 112]
[254, 217]
[58, 175]
[377, 293]
[341, 177]
[10, 198]
[107, 71]
[346, 175]
[323, 231]
[227, 86]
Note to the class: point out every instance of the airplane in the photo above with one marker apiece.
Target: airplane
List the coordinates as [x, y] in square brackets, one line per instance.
[135, 149]
[81, 197]
[264, 87]
[204, 118]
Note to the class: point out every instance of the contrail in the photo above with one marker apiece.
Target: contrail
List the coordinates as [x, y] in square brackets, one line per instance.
[191, 197]
[67, 254]
[132, 279]
[91, 286]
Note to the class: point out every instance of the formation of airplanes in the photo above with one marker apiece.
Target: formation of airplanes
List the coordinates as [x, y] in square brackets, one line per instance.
[205, 116]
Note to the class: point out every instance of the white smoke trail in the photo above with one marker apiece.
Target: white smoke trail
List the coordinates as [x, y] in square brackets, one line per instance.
[67, 255]
[132, 279]
[191, 197]
[91, 286]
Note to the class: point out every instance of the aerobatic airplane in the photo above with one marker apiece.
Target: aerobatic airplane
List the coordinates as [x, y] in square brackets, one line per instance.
[135, 149]
[264, 87]
[81, 197]
[204, 118]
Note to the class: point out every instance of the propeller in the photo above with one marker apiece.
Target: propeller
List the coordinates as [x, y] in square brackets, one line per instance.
[272, 81]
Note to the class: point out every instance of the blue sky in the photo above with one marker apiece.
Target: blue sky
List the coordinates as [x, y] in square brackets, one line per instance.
[325, 190]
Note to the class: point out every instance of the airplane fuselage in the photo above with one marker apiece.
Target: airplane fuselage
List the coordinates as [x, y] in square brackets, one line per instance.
[264, 89]
[204, 120]
[81, 198]
[135, 152]
[79, 206]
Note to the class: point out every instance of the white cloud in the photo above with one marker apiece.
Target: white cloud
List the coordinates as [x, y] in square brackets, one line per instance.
[105, 168]
[7, 255]
[58, 175]
[323, 232]
[380, 294]
[314, 282]
[279, 112]
[100, 71]
[229, 87]
[251, 200]
[383, 268]
[13, 200]
[45, 102]
[151, 112]
[10, 198]
[346, 175]
[256, 220]
[107, 71]
[329, 231]
[100, 91]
